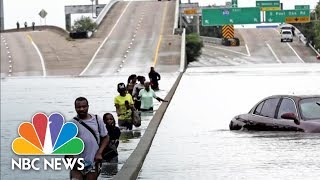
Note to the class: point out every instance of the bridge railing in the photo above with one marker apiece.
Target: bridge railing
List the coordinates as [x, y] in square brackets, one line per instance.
[304, 40]
[176, 16]
[105, 10]
[183, 63]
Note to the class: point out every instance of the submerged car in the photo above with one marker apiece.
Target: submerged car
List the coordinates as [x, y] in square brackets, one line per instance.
[282, 113]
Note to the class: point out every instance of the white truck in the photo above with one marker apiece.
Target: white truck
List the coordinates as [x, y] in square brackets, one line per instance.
[286, 35]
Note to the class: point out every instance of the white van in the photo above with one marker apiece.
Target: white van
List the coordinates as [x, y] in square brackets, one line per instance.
[285, 26]
[286, 35]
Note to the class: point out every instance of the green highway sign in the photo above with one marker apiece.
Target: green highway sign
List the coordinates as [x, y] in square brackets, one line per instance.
[268, 5]
[234, 3]
[302, 7]
[226, 16]
[280, 16]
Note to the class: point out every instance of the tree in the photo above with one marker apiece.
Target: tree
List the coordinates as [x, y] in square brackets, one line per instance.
[84, 24]
[316, 27]
[317, 35]
[193, 47]
[311, 30]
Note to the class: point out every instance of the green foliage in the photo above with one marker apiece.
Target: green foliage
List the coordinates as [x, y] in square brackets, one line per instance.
[193, 47]
[84, 24]
[312, 30]
[316, 29]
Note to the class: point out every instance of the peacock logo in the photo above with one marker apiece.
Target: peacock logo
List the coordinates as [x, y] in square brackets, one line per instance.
[47, 136]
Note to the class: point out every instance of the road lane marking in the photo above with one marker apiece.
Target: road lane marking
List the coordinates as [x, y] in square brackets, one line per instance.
[40, 55]
[160, 36]
[276, 30]
[292, 49]
[228, 50]
[274, 54]
[104, 41]
[295, 52]
[157, 51]
[248, 50]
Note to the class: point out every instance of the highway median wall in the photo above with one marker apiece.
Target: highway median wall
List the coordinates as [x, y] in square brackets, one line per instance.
[130, 170]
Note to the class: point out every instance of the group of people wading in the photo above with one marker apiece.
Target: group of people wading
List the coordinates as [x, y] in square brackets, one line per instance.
[101, 136]
[136, 96]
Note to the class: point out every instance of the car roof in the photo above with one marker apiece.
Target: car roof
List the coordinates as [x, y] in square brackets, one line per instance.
[285, 25]
[294, 96]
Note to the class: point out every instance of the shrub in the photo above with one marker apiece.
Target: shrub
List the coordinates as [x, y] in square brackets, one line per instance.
[193, 47]
[84, 24]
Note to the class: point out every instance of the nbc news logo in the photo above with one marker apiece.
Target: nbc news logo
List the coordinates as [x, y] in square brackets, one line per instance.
[47, 136]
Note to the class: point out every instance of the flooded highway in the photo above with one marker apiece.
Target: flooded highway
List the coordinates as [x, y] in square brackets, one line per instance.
[21, 98]
[193, 140]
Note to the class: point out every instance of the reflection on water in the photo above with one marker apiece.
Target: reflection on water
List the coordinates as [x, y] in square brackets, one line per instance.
[127, 135]
[23, 97]
[109, 169]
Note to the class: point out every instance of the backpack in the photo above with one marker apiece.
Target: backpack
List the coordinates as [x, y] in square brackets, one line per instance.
[136, 118]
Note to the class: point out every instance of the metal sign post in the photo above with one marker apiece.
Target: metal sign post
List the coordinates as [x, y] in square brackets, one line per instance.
[92, 7]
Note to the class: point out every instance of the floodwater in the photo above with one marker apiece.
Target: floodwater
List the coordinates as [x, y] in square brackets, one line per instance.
[21, 98]
[193, 140]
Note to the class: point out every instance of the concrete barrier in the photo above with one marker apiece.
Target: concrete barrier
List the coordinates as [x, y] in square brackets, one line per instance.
[310, 45]
[56, 29]
[303, 39]
[183, 63]
[176, 17]
[211, 40]
[105, 11]
[266, 26]
[130, 170]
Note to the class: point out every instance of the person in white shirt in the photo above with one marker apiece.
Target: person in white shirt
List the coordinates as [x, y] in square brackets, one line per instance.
[146, 96]
[136, 90]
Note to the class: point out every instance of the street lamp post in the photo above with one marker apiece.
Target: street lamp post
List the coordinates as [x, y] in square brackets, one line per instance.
[92, 7]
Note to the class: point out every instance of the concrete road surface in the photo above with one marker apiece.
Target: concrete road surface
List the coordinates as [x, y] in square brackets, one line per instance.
[19, 56]
[131, 45]
[261, 45]
[127, 41]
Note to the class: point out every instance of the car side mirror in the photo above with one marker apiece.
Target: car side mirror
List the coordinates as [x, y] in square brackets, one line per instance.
[291, 116]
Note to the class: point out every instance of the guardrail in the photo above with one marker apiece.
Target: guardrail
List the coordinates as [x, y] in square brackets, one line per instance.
[105, 10]
[211, 40]
[303, 39]
[176, 16]
[314, 49]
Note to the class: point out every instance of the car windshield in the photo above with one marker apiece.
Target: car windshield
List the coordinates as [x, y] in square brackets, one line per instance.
[310, 108]
[286, 32]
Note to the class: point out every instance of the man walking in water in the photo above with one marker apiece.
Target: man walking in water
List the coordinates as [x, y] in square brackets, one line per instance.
[92, 131]
[154, 78]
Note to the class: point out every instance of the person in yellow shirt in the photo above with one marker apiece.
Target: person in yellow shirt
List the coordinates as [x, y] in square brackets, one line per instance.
[124, 107]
